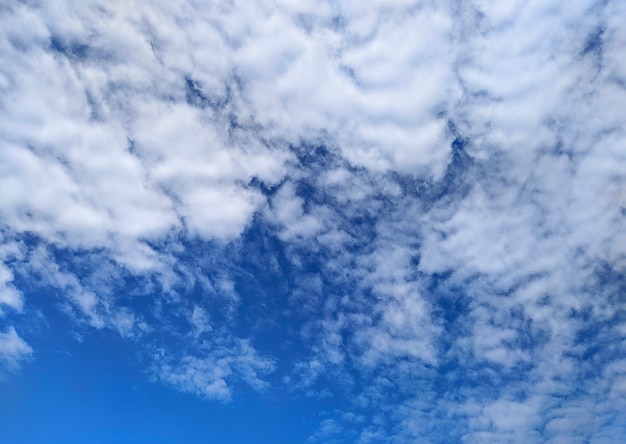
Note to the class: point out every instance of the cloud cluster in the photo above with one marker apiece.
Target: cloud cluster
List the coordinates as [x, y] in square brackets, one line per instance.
[440, 187]
[206, 376]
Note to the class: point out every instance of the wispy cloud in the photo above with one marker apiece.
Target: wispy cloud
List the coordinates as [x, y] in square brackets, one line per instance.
[210, 373]
[13, 351]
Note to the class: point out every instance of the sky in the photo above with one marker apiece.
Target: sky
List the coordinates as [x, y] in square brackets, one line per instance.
[286, 221]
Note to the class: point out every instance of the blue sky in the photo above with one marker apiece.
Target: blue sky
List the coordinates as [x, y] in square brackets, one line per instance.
[293, 222]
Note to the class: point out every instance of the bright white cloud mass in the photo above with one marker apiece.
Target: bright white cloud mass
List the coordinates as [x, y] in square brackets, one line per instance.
[413, 208]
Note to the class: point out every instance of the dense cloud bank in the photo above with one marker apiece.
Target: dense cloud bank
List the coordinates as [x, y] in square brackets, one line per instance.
[414, 207]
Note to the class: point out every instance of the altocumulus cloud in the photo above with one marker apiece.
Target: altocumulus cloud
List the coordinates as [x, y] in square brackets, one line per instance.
[422, 202]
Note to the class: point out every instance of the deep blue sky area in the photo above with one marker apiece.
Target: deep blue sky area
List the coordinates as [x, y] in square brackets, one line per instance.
[334, 222]
[100, 394]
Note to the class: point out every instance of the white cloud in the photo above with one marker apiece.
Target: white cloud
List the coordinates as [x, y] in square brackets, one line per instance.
[210, 374]
[10, 296]
[132, 131]
[13, 351]
[287, 211]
